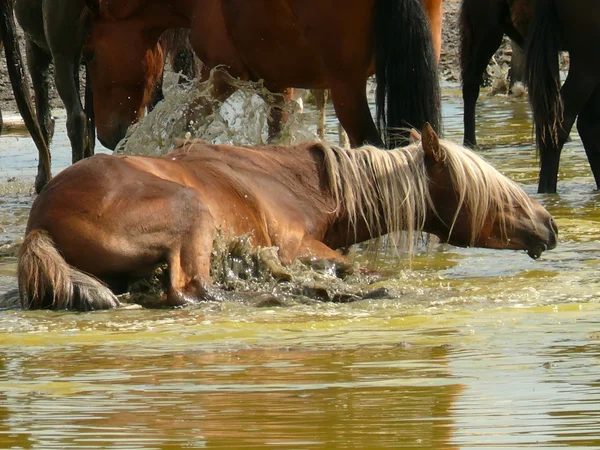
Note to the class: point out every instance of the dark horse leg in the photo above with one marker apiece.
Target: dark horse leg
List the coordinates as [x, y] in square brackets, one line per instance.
[575, 92]
[279, 113]
[588, 125]
[66, 34]
[221, 89]
[38, 61]
[478, 44]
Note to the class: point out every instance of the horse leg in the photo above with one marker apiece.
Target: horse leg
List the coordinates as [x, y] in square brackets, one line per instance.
[517, 65]
[588, 125]
[575, 92]
[320, 96]
[189, 261]
[475, 57]
[278, 112]
[65, 35]
[38, 61]
[352, 109]
[435, 14]
[221, 89]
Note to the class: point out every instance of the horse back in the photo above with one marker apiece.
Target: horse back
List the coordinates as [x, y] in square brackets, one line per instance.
[283, 184]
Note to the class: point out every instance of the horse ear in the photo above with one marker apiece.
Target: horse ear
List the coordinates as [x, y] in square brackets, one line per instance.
[431, 144]
[415, 136]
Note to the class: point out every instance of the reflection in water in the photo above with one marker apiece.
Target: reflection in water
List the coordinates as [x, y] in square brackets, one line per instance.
[474, 349]
[247, 398]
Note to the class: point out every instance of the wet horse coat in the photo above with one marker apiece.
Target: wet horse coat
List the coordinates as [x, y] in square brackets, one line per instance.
[115, 217]
[286, 43]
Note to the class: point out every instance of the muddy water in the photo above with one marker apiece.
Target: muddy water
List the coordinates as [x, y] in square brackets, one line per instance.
[471, 349]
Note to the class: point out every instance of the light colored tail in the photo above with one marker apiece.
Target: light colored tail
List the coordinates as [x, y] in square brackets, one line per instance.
[47, 281]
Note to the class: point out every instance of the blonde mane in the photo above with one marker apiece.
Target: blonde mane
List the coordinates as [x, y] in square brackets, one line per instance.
[389, 189]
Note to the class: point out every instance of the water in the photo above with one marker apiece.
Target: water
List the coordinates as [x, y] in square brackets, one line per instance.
[478, 349]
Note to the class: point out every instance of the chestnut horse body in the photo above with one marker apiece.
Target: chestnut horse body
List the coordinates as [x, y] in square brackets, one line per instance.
[114, 218]
[286, 43]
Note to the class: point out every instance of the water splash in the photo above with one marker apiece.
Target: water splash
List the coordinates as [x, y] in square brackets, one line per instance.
[243, 273]
[241, 120]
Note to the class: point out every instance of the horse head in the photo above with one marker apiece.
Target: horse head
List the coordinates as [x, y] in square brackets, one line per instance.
[125, 62]
[472, 204]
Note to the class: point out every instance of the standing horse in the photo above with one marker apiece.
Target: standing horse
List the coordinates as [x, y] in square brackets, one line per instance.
[14, 62]
[483, 23]
[55, 32]
[573, 27]
[435, 13]
[112, 218]
[287, 43]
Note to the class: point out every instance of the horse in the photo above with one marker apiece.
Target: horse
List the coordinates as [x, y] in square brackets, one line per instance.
[435, 14]
[111, 218]
[390, 38]
[573, 27]
[14, 61]
[483, 23]
[55, 32]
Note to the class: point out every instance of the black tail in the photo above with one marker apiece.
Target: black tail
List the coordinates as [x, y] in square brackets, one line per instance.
[408, 92]
[14, 62]
[542, 73]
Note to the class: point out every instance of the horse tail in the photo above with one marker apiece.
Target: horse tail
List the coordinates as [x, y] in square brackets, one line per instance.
[47, 281]
[408, 92]
[16, 72]
[542, 73]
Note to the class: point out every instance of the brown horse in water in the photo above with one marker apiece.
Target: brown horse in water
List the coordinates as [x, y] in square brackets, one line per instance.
[573, 27]
[286, 43]
[113, 218]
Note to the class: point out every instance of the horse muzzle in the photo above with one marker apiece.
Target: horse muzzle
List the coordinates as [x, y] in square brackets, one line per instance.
[537, 247]
[112, 138]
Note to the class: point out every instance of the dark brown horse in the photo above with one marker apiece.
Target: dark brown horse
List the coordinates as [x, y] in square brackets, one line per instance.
[574, 27]
[483, 23]
[435, 13]
[114, 218]
[55, 32]
[286, 43]
[16, 72]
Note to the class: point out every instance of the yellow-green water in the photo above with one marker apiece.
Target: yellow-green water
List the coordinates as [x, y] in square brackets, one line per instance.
[477, 349]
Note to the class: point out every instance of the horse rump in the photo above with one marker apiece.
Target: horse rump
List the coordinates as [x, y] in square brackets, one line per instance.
[46, 281]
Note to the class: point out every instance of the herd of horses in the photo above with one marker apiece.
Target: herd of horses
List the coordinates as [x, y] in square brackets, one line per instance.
[107, 220]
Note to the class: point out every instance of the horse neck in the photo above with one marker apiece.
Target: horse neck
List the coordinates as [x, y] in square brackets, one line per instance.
[378, 192]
